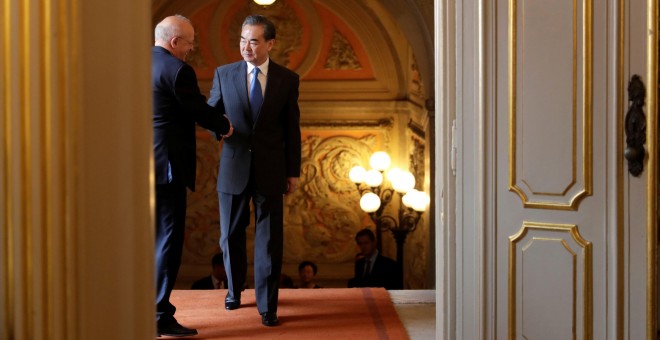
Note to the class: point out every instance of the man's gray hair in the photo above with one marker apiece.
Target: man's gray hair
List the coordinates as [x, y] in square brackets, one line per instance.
[166, 31]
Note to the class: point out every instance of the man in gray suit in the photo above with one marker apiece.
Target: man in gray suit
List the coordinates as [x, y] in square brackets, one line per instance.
[260, 162]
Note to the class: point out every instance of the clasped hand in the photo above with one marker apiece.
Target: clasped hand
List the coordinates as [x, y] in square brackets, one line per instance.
[231, 129]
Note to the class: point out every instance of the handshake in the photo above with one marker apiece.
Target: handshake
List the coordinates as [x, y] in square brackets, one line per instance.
[229, 133]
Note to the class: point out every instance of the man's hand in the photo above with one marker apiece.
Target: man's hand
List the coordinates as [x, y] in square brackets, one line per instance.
[292, 182]
[231, 129]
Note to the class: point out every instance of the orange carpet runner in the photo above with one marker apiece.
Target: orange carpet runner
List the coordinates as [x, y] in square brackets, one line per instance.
[347, 313]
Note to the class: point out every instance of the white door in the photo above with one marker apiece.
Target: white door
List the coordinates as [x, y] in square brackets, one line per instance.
[552, 232]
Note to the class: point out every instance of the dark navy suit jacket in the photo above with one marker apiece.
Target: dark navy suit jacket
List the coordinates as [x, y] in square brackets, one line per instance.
[177, 105]
[272, 141]
[385, 272]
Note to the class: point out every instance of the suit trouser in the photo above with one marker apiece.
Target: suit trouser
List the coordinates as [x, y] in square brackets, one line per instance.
[268, 244]
[170, 228]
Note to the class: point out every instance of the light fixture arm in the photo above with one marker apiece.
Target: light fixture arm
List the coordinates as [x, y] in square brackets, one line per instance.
[401, 182]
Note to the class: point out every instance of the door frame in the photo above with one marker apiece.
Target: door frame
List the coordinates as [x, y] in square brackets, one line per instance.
[652, 26]
[462, 281]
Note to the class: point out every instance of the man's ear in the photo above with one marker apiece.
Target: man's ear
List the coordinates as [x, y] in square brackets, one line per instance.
[174, 41]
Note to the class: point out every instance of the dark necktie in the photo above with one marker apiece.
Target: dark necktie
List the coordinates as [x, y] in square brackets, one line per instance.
[366, 269]
[256, 98]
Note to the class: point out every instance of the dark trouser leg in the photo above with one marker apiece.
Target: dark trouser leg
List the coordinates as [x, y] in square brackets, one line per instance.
[234, 219]
[268, 243]
[170, 228]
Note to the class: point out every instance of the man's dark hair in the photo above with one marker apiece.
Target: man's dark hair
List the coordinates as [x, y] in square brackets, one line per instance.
[269, 27]
[217, 260]
[307, 263]
[365, 232]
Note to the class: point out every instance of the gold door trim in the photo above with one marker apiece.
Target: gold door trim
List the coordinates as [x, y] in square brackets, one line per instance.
[37, 229]
[652, 169]
[587, 142]
[587, 287]
[8, 216]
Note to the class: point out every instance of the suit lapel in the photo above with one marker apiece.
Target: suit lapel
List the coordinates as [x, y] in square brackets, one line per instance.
[240, 80]
[273, 82]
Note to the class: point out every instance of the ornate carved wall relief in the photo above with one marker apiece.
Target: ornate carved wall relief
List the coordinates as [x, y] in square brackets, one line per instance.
[416, 90]
[321, 218]
[341, 55]
[417, 154]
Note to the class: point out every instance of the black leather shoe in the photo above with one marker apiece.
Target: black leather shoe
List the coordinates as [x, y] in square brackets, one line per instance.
[269, 319]
[231, 304]
[175, 329]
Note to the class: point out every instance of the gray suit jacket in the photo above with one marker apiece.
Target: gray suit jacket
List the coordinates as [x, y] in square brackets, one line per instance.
[272, 142]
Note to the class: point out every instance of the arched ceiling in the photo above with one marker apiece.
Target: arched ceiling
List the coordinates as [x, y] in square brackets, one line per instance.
[342, 49]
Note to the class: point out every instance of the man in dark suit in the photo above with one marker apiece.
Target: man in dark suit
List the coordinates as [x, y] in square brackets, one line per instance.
[218, 277]
[177, 105]
[260, 162]
[374, 269]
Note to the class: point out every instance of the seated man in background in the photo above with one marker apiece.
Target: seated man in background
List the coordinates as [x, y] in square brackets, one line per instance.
[374, 269]
[307, 271]
[218, 277]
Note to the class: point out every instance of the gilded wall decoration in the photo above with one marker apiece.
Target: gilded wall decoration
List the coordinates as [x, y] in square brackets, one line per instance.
[341, 56]
[416, 91]
[417, 164]
[322, 218]
[348, 124]
[416, 256]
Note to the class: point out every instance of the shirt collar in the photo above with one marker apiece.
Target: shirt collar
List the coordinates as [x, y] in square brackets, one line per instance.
[263, 68]
[373, 257]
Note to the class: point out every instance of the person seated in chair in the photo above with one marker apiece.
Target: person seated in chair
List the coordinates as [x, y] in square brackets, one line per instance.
[218, 277]
[307, 271]
[374, 269]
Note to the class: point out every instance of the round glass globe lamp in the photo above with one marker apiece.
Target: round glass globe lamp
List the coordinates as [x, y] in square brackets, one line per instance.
[370, 202]
[373, 178]
[421, 202]
[380, 160]
[394, 174]
[357, 174]
[404, 182]
[409, 198]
